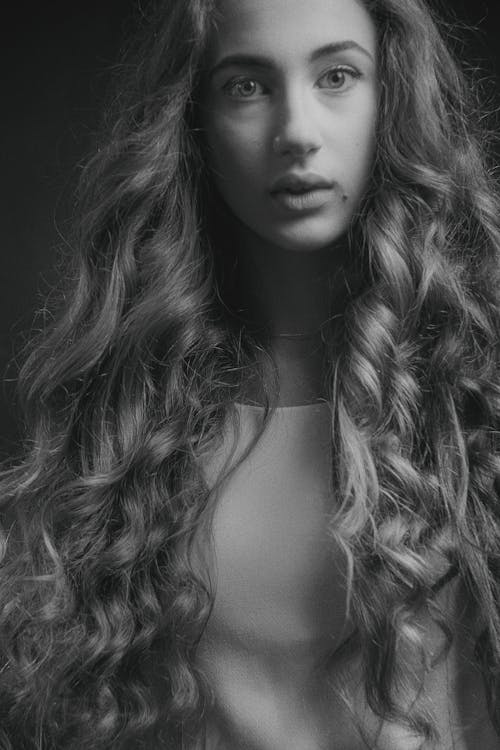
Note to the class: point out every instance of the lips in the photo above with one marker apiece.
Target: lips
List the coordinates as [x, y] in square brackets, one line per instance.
[298, 193]
[297, 183]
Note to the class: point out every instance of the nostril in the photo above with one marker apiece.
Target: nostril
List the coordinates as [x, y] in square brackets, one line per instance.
[286, 144]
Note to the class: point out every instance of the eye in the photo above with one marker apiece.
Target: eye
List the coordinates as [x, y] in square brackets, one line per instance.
[243, 88]
[339, 78]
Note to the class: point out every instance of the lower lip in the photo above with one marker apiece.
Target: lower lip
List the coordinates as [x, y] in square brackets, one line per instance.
[308, 201]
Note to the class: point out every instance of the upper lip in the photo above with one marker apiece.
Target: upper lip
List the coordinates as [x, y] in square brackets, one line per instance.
[293, 181]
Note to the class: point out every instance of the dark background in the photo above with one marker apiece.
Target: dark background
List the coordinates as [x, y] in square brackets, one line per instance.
[57, 58]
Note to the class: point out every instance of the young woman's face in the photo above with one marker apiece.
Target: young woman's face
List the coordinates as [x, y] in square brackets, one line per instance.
[289, 109]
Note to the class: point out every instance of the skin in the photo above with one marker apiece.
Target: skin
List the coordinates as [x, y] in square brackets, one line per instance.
[265, 703]
[293, 107]
[301, 111]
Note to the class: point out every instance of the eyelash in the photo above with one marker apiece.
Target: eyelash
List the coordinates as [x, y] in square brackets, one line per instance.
[344, 69]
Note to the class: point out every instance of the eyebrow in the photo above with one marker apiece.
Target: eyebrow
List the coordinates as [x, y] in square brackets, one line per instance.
[261, 61]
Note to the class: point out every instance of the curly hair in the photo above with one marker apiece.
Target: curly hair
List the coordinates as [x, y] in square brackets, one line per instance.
[131, 384]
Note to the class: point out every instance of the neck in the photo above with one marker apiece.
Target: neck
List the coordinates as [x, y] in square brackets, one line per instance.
[292, 295]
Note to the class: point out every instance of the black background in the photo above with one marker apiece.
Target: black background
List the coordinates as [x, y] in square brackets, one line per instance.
[55, 71]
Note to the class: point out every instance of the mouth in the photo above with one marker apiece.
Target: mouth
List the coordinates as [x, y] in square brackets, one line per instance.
[300, 183]
[301, 192]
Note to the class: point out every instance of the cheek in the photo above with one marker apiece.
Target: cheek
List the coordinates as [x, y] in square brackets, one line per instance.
[358, 146]
[234, 151]
[367, 129]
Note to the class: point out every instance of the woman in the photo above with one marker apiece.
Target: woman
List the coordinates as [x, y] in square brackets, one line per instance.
[259, 502]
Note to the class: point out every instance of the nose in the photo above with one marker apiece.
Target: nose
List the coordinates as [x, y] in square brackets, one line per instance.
[297, 133]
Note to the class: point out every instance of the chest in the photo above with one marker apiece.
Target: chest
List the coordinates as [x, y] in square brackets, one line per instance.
[279, 579]
[280, 607]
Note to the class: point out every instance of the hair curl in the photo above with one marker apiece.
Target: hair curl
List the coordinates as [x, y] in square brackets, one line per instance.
[131, 384]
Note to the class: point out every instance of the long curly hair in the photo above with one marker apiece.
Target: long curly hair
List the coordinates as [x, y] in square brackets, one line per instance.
[132, 380]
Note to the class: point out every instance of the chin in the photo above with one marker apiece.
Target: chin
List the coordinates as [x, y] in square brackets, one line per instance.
[307, 240]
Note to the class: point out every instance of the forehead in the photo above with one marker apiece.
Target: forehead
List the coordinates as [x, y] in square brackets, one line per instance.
[290, 27]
